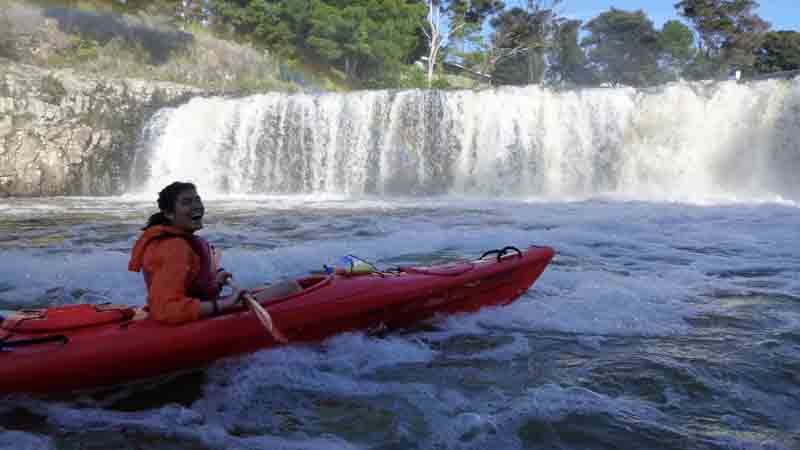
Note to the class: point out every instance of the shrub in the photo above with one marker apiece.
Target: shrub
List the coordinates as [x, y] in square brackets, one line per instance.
[53, 89]
[116, 46]
[103, 28]
[84, 48]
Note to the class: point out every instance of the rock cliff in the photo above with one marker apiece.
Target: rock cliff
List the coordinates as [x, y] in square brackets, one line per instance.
[62, 133]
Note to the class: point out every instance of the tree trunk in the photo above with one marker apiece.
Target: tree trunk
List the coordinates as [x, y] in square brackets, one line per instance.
[432, 62]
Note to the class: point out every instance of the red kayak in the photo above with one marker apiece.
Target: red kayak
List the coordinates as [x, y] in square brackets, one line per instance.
[84, 346]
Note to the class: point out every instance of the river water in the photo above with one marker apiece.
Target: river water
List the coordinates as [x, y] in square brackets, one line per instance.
[669, 318]
[658, 325]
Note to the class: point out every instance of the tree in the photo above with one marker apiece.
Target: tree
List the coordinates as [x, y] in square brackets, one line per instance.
[368, 40]
[677, 45]
[465, 43]
[522, 37]
[437, 35]
[271, 23]
[779, 51]
[453, 20]
[568, 61]
[624, 47]
[730, 31]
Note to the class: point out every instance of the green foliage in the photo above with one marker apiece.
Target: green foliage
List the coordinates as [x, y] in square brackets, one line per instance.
[526, 67]
[175, 9]
[250, 84]
[677, 42]
[701, 67]
[83, 48]
[473, 11]
[118, 46]
[273, 24]
[521, 39]
[441, 82]
[368, 40]
[412, 77]
[730, 32]
[332, 44]
[569, 63]
[79, 51]
[519, 27]
[467, 18]
[779, 51]
[624, 46]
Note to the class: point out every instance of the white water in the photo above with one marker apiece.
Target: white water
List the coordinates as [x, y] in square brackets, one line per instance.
[685, 142]
[626, 275]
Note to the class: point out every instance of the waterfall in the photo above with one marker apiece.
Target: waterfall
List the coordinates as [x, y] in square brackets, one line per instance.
[682, 140]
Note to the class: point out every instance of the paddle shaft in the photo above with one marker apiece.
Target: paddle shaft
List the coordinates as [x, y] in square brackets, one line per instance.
[260, 312]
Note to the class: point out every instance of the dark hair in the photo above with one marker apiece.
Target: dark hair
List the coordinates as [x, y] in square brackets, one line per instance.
[166, 202]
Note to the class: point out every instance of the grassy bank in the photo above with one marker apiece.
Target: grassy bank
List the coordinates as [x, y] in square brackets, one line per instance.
[107, 44]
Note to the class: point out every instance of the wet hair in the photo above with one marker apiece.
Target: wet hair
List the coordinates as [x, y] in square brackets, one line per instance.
[166, 202]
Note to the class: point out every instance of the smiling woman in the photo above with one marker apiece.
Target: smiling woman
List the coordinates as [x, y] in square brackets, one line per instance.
[179, 268]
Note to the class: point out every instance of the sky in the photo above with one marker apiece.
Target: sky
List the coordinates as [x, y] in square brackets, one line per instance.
[782, 14]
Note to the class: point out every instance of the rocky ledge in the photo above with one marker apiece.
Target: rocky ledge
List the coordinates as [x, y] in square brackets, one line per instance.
[62, 133]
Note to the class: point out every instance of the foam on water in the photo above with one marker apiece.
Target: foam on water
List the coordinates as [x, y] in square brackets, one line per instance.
[18, 440]
[622, 270]
[175, 421]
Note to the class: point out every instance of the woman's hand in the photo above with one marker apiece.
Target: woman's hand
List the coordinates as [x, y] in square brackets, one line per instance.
[221, 277]
[233, 301]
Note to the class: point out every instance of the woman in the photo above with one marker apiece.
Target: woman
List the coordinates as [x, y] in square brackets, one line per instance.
[178, 267]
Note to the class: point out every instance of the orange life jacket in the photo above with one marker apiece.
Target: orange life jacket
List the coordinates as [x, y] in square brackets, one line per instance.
[178, 271]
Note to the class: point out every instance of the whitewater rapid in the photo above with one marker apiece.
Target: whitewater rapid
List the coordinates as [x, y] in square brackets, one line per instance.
[657, 325]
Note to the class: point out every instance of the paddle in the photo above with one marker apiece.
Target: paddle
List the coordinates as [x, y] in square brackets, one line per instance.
[260, 312]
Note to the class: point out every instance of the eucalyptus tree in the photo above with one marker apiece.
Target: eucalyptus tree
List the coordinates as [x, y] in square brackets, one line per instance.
[468, 17]
[454, 20]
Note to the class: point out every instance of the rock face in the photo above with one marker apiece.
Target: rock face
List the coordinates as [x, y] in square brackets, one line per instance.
[64, 134]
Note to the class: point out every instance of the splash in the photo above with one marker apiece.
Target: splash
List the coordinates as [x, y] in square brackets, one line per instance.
[679, 142]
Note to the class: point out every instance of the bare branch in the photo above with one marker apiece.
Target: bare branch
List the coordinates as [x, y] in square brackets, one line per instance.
[427, 35]
[456, 28]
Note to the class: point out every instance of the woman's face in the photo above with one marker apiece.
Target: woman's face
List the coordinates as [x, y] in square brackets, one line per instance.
[188, 213]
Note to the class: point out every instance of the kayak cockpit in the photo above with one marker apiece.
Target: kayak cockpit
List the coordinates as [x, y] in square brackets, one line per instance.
[309, 282]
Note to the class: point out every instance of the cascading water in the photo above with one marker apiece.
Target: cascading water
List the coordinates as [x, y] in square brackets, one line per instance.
[680, 141]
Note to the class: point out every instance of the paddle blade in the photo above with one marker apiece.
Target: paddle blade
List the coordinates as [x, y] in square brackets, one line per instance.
[266, 320]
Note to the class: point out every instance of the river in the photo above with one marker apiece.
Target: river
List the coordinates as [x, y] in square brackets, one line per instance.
[658, 325]
[669, 318]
